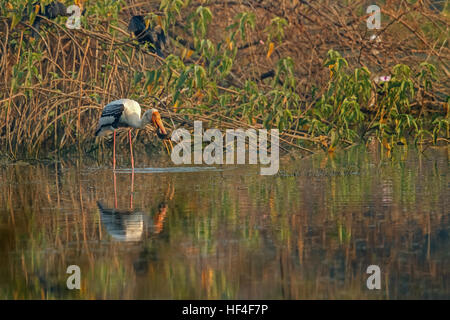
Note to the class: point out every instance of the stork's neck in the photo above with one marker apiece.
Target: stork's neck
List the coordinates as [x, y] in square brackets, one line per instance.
[146, 119]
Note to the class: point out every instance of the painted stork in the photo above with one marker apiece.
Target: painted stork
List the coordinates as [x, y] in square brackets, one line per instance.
[126, 113]
[129, 224]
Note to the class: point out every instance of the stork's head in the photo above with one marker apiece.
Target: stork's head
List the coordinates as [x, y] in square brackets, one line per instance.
[157, 122]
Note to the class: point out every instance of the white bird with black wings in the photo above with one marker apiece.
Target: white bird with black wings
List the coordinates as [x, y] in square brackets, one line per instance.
[126, 113]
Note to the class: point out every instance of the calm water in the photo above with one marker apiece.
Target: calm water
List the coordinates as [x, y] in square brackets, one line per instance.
[227, 232]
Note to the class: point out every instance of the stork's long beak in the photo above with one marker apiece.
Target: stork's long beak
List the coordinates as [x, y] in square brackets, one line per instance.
[161, 131]
[157, 122]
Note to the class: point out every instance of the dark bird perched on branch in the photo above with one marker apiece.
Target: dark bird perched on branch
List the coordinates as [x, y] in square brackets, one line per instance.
[51, 11]
[55, 9]
[145, 34]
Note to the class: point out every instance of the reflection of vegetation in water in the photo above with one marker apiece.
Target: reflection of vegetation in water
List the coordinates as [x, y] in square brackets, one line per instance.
[232, 234]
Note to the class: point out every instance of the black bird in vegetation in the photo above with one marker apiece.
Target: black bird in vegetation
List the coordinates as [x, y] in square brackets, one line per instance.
[54, 9]
[144, 34]
[51, 11]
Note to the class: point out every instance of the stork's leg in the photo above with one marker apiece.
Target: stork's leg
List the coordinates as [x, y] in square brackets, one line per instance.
[114, 150]
[115, 192]
[132, 190]
[131, 150]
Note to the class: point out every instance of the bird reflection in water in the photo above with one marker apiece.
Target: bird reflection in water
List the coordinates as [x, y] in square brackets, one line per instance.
[133, 224]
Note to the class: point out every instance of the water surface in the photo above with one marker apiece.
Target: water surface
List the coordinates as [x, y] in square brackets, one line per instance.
[228, 233]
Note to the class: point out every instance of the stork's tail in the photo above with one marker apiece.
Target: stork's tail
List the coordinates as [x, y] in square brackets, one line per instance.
[103, 130]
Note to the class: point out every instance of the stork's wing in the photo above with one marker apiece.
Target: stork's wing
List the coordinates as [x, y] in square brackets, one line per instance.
[110, 117]
[110, 211]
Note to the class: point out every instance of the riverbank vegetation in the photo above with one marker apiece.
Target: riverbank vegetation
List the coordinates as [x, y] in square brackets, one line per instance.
[310, 68]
